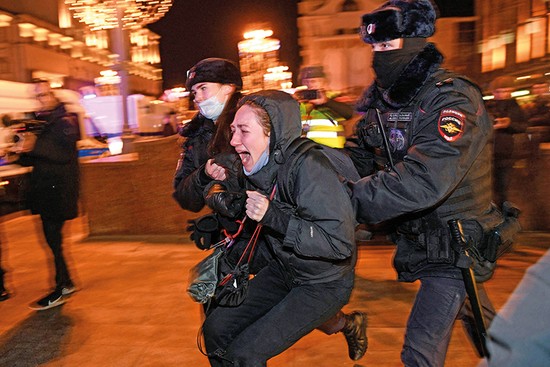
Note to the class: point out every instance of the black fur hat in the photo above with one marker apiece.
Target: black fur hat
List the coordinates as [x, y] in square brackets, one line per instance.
[399, 19]
[214, 70]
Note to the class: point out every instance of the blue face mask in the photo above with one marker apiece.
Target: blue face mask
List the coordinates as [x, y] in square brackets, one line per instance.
[212, 108]
[262, 161]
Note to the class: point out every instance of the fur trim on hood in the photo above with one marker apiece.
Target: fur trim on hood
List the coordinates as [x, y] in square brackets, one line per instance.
[409, 83]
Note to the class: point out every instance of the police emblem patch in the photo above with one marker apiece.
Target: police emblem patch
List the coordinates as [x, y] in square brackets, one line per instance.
[451, 124]
[397, 140]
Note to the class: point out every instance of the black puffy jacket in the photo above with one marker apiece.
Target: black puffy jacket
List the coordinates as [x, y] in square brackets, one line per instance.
[314, 240]
[190, 179]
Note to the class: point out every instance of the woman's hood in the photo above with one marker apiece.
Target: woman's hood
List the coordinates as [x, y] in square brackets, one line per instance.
[284, 113]
[286, 125]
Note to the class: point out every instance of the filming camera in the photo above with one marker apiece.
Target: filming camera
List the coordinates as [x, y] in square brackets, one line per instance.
[307, 94]
[20, 135]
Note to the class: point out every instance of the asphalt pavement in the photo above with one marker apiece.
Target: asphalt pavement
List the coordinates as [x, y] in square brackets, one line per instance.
[131, 308]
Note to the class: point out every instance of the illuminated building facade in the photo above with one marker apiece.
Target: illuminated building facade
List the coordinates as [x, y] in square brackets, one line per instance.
[514, 39]
[328, 36]
[258, 52]
[47, 42]
[503, 37]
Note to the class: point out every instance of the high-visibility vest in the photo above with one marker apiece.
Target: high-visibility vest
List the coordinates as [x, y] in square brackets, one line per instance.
[322, 125]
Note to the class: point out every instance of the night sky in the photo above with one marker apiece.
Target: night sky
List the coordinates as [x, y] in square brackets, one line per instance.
[195, 29]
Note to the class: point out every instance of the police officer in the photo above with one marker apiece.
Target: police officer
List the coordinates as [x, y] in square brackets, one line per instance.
[429, 131]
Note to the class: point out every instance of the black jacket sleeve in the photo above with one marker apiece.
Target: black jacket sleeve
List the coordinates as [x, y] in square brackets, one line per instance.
[343, 109]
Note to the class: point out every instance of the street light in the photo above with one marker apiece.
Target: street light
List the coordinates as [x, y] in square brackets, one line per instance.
[118, 16]
[109, 14]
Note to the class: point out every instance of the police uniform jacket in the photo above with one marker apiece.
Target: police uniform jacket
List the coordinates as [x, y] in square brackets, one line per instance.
[190, 178]
[437, 133]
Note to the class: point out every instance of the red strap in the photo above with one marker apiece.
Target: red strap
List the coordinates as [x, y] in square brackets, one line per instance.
[251, 243]
[236, 234]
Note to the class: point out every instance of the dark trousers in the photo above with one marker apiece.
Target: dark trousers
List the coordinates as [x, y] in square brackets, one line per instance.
[54, 237]
[439, 302]
[2, 272]
[502, 177]
[275, 314]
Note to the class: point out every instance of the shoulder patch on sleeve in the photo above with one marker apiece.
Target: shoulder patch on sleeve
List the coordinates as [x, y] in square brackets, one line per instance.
[451, 124]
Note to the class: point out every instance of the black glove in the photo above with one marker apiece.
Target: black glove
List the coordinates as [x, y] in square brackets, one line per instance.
[230, 161]
[205, 231]
[226, 203]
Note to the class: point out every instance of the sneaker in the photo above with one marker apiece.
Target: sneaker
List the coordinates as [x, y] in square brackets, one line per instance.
[53, 299]
[68, 289]
[4, 295]
[355, 332]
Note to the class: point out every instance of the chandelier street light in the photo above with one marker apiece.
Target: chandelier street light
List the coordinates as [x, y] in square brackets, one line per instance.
[104, 14]
[119, 16]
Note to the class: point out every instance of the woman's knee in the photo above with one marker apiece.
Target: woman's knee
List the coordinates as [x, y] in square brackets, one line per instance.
[244, 357]
[212, 333]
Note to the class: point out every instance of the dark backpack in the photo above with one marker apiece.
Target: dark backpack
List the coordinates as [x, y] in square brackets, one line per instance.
[341, 163]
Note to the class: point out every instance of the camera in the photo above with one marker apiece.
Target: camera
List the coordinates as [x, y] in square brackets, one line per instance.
[20, 134]
[307, 94]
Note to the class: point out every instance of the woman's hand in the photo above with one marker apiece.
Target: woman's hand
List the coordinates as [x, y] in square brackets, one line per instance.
[256, 205]
[215, 171]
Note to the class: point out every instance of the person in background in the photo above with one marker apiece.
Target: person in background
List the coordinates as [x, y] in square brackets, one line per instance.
[206, 156]
[538, 115]
[430, 134]
[322, 115]
[4, 295]
[311, 274]
[54, 183]
[508, 119]
[538, 111]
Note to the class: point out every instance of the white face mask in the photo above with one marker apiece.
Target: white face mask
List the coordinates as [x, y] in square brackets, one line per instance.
[211, 108]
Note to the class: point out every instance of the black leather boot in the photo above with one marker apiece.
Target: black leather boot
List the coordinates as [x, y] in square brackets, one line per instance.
[355, 331]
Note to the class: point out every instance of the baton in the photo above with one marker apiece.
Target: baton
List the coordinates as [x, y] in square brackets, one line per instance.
[464, 262]
[385, 139]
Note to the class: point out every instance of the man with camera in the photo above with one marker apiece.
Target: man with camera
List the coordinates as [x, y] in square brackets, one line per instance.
[54, 182]
[321, 115]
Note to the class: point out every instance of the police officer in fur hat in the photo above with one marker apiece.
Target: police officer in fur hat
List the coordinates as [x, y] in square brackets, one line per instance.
[431, 134]
[215, 85]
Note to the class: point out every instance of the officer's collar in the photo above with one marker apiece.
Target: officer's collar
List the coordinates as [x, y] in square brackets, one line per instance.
[409, 83]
